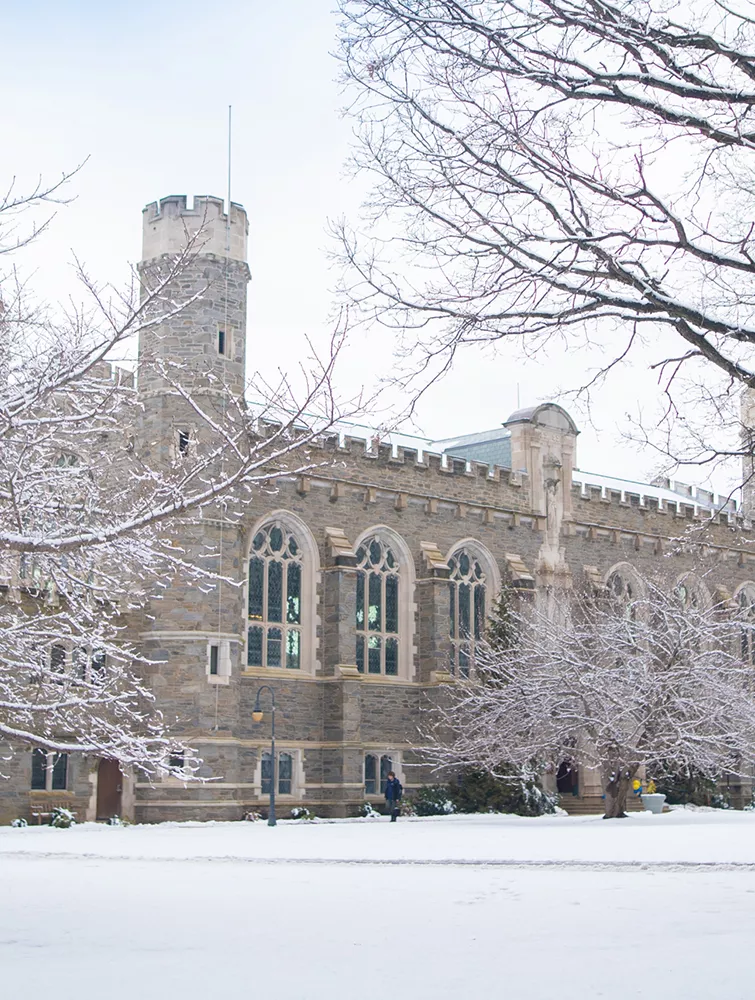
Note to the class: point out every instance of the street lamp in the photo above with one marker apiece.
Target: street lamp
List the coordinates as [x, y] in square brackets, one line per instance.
[257, 716]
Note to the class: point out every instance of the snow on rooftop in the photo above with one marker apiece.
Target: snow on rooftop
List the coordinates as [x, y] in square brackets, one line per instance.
[673, 492]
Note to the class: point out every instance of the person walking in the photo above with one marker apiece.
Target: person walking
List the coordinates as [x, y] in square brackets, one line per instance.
[393, 793]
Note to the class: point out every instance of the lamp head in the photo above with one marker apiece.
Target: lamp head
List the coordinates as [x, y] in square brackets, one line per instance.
[257, 716]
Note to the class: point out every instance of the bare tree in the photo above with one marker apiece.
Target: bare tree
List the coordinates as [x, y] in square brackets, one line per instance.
[610, 685]
[573, 167]
[92, 516]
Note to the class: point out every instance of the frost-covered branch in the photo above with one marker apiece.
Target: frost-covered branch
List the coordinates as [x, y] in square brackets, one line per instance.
[95, 498]
[555, 167]
[655, 681]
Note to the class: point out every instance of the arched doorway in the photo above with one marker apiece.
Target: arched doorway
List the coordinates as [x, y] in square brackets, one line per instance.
[109, 789]
[567, 778]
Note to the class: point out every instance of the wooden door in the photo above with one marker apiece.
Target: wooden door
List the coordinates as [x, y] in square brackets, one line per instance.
[109, 789]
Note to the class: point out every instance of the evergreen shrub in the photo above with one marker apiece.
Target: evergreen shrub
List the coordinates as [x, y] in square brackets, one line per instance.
[477, 791]
[62, 818]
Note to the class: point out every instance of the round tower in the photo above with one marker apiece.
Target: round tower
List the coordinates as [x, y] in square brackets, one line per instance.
[204, 339]
[194, 265]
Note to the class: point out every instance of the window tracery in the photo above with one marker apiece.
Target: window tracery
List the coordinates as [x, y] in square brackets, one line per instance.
[275, 599]
[745, 599]
[377, 608]
[691, 593]
[467, 587]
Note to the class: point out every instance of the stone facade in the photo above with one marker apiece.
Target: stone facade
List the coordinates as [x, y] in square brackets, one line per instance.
[538, 526]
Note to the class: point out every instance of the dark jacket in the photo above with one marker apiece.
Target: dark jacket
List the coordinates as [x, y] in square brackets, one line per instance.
[393, 790]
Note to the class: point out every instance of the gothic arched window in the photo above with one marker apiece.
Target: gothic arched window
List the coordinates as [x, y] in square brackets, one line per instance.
[467, 589]
[377, 614]
[746, 611]
[620, 588]
[691, 593]
[275, 605]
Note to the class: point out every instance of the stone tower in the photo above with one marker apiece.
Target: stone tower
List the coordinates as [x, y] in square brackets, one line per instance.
[209, 335]
[193, 634]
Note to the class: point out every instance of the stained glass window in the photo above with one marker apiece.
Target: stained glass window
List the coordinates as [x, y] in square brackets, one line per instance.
[746, 601]
[377, 612]
[467, 609]
[274, 604]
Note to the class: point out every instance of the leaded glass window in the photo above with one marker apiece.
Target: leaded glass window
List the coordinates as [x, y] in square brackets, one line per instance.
[285, 773]
[377, 608]
[622, 593]
[466, 591]
[376, 771]
[746, 601]
[275, 583]
[620, 589]
[38, 770]
[386, 766]
[687, 594]
[49, 771]
[370, 774]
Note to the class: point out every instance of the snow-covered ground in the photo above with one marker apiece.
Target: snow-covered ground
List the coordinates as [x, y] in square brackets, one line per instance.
[487, 906]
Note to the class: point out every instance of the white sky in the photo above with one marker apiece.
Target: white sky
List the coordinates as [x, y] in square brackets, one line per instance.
[142, 90]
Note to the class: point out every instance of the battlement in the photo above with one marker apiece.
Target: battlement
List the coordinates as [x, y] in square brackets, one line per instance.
[663, 496]
[168, 224]
[413, 470]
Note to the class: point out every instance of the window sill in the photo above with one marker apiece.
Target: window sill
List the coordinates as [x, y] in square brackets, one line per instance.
[220, 679]
[384, 679]
[275, 672]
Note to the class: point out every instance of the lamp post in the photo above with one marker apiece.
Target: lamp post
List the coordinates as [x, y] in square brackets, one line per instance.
[257, 716]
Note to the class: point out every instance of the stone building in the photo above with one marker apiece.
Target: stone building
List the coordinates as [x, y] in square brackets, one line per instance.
[365, 582]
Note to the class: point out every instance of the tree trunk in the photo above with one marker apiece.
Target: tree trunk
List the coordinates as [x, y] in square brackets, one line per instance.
[616, 784]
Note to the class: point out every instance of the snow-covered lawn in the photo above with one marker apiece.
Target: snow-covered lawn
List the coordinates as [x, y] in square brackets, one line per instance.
[543, 909]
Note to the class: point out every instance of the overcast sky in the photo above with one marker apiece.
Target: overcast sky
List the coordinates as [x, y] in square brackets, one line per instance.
[141, 90]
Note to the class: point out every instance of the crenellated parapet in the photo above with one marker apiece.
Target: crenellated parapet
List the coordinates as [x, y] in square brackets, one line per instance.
[685, 501]
[423, 473]
[169, 224]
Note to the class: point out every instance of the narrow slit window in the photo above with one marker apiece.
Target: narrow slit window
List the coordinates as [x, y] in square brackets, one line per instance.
[221, 342]
[370, 774]
[214, 660]
[38, 770]
[386, 766]
[184, 441]
[285, 773]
